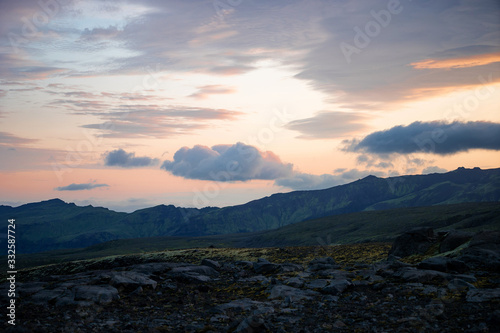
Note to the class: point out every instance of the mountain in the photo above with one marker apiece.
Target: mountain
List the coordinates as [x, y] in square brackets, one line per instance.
[54, 224]
[360, 227]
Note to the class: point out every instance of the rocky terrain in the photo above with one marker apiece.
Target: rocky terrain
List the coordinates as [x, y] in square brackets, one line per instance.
[424, 282]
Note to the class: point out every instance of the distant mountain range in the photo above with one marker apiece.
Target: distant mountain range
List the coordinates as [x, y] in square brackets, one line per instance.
[54, 224]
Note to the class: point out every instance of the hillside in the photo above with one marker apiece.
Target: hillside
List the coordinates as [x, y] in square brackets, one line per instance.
[53, 224]
[361, 227]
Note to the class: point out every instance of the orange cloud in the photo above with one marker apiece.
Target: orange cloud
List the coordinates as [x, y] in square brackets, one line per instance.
[463, 62]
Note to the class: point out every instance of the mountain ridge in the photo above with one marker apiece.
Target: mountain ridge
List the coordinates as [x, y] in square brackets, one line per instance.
[54, 224]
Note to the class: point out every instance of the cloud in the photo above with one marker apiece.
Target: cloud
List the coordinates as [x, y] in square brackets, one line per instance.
[470, 61]
[433, 169]
[129, 121]
[327, 124]
[435, 137]
[205, 91]
[304, 181]
[7, 139]
[123, 159]
[238, 162]
[80, 187]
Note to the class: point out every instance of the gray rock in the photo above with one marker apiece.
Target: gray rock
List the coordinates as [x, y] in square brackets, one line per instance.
[202, 270]
[263, 266]
[482, 295]
[443, 264]
[320, 264]
[295, 282]
[295, 294]
[129, 281]
[336, 287]
[211, 263]
[47, 296]
[457, 284]
[415, 241]
[244, 304]
[28, 289]
[421, 275]
[317, 284]
[453, 239]
[98, 294]
[251, 324]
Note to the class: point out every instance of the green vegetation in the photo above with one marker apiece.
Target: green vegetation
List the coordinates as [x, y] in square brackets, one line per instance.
[53, 224]
[362, 227]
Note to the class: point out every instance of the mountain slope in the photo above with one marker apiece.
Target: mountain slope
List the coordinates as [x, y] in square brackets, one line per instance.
[373, 226]
[54, 224]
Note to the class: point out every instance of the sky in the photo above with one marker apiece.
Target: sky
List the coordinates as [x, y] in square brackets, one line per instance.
[132, 104]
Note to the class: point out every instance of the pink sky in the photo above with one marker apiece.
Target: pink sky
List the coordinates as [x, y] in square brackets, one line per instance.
[130, 105]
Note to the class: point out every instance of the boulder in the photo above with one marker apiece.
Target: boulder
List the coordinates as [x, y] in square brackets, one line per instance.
[130, 281]
[336, 287]
[211, 263]
[263, 266]
[295, 294]
[483, 251]
[483, 295]
[97, 294]
[453, 239]
[415, 241]
[443, 264]
[320, 264]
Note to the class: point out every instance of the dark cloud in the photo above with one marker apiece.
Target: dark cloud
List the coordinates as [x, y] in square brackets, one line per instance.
[238, 162]
[123, 159]
[80, 187]
[435, 137]
[328, 125]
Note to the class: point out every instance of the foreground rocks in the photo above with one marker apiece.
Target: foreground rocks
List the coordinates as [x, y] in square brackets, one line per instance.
[437, 294]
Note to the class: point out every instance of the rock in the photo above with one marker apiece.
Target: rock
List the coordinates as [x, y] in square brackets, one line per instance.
[263, 266]
[251, 324]
[317, 284]
[130, 281]
[211, 263]
[289, 267]
[47, 296]
[415, 241]
[483, 295]
[483, 251]
[453, 239]
[193, 274]
[202, 270]
[28, 289]
[336, 287]
[421, 275]
[295, 294]
[457, 284]
[295, 282]
[97, 294]
[320, 264]
[443, 264]
[244, 304]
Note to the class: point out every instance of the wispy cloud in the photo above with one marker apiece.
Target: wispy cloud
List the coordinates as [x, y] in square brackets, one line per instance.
[470, 61]
[329, 124]
[123, 159]
[7, 139]
[80, 187]
[157, 122]
[214, 89]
